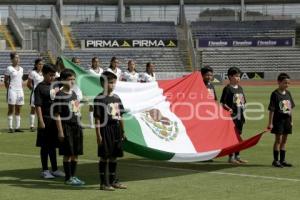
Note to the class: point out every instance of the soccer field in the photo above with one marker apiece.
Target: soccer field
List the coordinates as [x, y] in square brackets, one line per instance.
[146, 179]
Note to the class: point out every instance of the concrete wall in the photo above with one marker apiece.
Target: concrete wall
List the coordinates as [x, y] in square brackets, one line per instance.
[273, 75]
[268, 75]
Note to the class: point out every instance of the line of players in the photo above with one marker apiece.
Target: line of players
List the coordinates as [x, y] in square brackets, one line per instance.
[14, 84]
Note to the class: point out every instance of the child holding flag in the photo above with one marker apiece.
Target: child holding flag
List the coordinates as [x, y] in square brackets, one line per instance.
[66, 112]
[208, 75]
[47, 132]
[233, 100]
[108, 110]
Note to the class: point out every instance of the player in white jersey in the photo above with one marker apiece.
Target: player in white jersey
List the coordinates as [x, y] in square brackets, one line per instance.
[114, 68]
[97, 71]
[149, 75]
[130, 75]
[34, 78]
[96, 67]
[15, 94]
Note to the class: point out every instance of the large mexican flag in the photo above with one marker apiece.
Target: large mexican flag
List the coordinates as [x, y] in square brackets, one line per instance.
[175, 120]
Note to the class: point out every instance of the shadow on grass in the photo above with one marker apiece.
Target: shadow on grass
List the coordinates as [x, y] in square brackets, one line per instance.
[134, 169]
[25, 130]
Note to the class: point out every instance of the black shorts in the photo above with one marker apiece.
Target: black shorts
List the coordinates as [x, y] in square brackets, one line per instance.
[73, 140]
[48, 136]
[239, 125]
[282, 126]
[112, 143]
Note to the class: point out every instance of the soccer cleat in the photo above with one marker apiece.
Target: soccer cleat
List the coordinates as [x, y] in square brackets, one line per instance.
[233, 161]
[118, 185]
[78, 180]
[72, 182]
[107, 188]
[18, 130]
[276, 164]
[58, 173]
[11, 130]
[241, 161]
[47, 175]
[285, 164]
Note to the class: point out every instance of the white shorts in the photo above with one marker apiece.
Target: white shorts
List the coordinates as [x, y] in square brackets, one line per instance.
[15, 97]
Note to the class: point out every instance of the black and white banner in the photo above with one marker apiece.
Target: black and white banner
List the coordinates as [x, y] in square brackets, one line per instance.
[157, 43]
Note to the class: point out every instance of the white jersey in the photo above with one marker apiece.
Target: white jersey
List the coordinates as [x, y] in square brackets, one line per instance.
[57, 74]
[78, 92]
[15, 77]
[91, 70]
[118, 73]
[148, 78]
[36, 78]
[130, 76]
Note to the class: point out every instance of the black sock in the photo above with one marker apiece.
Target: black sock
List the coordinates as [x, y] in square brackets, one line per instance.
[67, 168]
[102, 172]
[275, 155]
[53, 160]
[112, 167]
[282, 156]
[44, 158]
[237, 155]
[73, 167]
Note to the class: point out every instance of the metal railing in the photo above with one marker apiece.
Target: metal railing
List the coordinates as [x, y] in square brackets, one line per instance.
[87, 13]
[190, 43]
[53, 45]
[56, 28]
[16, 25]
[192, 50]
[56, 19]
[13, 15]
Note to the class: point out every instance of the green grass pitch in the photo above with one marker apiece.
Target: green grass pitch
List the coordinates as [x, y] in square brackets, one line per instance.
[146, 179]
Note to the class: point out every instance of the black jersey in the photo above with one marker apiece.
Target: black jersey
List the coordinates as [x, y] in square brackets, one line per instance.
[234, 98]
[109, 109]
[281, 104]
[42, 97]
[211, 91]
[67, 106]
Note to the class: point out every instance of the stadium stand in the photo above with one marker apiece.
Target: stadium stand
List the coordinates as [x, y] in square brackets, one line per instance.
[246, 29]
[253, 60]
[166, 59]
[129, 30]
[68, 40]
[26, 60]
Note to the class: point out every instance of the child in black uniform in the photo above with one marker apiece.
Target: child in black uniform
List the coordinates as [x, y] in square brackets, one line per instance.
[233, 99]
[208, 75]
[66, 112]
[47, 132]
[280, 119]
[108, 110]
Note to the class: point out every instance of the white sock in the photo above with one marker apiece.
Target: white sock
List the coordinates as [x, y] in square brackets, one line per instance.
[10, 121]
[18, 121]
[32, 117]
[91, 117]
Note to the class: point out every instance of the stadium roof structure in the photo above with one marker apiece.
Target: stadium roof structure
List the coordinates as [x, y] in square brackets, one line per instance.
[139, 2]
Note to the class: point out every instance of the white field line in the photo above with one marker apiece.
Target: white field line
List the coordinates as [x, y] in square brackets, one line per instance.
[170, 168]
